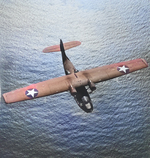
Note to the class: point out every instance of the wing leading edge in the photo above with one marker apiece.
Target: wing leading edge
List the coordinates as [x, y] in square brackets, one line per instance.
[114, 70]
[82, 78]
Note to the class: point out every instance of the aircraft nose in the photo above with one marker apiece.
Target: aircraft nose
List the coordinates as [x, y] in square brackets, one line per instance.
[89, 107]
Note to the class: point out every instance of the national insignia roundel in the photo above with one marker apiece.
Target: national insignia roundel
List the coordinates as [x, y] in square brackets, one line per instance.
[31, 93]
[123, 69]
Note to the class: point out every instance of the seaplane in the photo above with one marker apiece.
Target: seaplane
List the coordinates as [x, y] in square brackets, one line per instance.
[74, 80]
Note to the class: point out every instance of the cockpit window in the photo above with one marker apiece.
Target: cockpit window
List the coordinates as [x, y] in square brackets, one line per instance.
[88, 106]
[75, 71]
[85, 99]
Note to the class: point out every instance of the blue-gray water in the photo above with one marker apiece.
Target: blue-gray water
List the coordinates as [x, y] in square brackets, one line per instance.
[54, 126]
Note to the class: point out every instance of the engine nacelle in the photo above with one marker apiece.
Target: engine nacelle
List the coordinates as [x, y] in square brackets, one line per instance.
[91, 85]
[73, 91]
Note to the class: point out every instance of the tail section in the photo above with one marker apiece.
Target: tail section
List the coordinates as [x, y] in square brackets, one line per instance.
[68, 66]
[64, 56]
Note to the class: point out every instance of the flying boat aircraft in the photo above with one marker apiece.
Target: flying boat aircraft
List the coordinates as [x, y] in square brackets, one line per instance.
[74, 81]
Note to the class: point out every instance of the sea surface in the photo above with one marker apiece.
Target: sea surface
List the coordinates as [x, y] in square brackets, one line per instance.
[54, 126]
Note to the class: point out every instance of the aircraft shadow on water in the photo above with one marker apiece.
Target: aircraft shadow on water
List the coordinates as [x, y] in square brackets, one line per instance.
[74, 80]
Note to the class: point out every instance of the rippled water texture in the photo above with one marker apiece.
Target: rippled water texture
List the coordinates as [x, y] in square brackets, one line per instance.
[54, 126]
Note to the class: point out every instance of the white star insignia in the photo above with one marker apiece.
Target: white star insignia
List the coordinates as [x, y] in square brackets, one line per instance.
[32, 93]
[123, 68]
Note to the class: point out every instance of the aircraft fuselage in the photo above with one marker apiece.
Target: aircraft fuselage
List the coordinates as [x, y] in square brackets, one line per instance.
[80, 94]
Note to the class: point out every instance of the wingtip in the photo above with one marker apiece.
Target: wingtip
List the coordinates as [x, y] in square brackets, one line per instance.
[5, 97]
[145, 62]
[44, 50]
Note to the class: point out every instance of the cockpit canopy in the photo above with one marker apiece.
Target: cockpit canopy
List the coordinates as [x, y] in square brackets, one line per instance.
[85, 99]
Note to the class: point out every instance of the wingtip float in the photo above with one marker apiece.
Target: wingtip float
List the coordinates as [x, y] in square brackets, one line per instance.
[75, 82]
[56, 48]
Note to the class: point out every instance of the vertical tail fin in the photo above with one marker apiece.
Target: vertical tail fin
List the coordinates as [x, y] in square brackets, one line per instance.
[64, 57]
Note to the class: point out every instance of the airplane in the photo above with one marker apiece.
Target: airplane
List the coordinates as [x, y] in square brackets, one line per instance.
[74, 81]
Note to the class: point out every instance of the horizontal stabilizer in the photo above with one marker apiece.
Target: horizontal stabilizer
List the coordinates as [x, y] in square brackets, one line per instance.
[56, 48]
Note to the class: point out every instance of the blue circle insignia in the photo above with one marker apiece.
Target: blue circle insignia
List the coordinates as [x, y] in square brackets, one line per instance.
[31, 93]
[124, 69]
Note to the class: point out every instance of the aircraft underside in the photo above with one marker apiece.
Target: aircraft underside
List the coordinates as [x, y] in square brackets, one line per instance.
[83, 99]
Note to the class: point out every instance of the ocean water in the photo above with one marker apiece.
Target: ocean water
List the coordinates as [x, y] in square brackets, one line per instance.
[54, 126]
